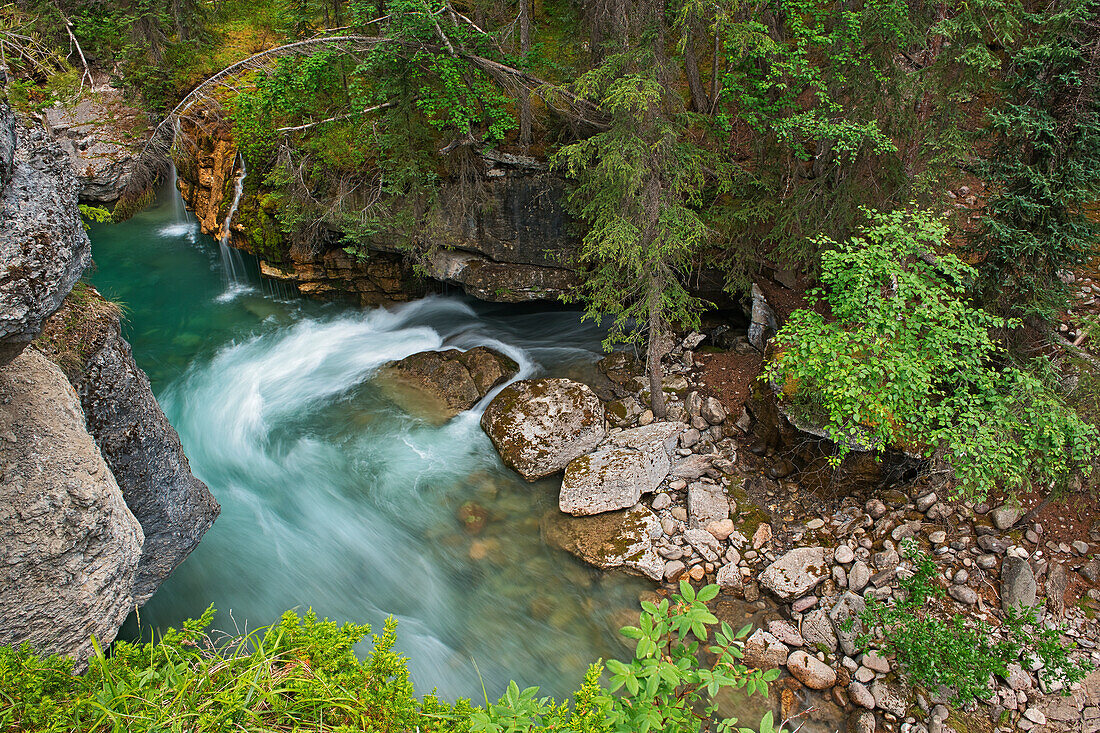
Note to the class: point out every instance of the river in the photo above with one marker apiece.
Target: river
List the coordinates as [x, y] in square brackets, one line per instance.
[335, 499]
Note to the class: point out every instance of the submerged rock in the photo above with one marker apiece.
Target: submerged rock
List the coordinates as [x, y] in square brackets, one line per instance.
[69, 545]
[629, 464]
[610, 540]
[44, 248]
[441, 384]
[540, 425]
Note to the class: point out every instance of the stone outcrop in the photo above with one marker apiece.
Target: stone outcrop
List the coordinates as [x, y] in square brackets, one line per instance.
[619, 539]
[97, 134]
[141, 447]
[452, 380]
[44, 248]
[627, 465]
[334, 274]
[69, 547]
[540, 425]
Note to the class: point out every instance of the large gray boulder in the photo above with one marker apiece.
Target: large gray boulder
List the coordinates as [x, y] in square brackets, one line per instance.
[141, 447]
[43, 249]
[69, 547]
[621, 539]
[796, 573]
[441, 384]
[540, 425]
[1017, 584]
[627, 465]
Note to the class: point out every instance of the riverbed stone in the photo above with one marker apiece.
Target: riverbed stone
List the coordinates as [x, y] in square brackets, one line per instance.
[704, 543]
[889, 697]
[859, 576]
[861, 696]
[729, 579]
[810, 671]
[764, 651]
[540, 425]
[706, 504]
[630, 463]
[796, 573]
[619, 539]
[1005, 516]
[818, 632]
[846, 622]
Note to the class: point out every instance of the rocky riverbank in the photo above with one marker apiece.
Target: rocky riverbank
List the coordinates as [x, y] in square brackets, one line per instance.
[734, 494]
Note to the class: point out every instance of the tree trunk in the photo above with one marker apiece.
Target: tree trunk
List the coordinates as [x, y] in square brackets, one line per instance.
[699, 101]
[655, 348]
[524, 49]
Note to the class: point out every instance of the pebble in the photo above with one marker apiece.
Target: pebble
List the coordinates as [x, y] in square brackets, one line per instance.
[761, 536]
[925, 502]
[874, 662]
[679, 513]
[864, 675]
[661, 501]
[861, 696]
[804, 604]
[678, 484]
[844, 555]
[858, 576]
[721, 529]
[697, 573]
[938, 537]
[1080, 547]
[674, 569]
[817, 523]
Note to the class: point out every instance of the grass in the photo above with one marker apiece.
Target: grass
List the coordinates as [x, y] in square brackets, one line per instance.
[78, 329]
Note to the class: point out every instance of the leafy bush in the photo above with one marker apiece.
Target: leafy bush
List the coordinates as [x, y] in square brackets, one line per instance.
[907, 361]
[303, 673]
[959, 653]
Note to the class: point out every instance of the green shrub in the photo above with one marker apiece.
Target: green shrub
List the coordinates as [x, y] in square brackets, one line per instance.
[908, 362]
[958, 653]
[302, 673]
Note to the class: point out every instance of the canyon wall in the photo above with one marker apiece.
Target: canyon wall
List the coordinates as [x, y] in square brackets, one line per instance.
[98, 500]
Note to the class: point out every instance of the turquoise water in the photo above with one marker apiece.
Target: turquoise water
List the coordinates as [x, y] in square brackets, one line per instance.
[335, 499]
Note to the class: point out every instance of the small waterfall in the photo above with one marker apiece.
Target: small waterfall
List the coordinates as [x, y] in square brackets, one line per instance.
[231, 258]
[182, 223]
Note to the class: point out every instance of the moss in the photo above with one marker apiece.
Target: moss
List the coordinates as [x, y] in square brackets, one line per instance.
[263, 236]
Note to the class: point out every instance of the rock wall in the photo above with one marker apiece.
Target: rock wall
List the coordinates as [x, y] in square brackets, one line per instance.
[102, 135]
[141, 447]
[69, 547]
[44, 248]
[514, 247]
[74, 558]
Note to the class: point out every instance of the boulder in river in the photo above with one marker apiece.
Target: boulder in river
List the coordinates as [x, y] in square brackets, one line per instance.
[438, 385]
[611, 540]
[70, 547]
[540, 425]
[627, 465]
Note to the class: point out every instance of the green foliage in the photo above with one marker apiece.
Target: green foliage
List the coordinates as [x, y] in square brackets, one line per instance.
[302, 673]
[959, 653]
[663, 688]
[1045, 165]
[94, 214]
[908, 362]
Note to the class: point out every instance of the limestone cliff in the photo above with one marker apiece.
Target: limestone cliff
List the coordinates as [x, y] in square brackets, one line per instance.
[74, 558]
[515, 246]
[43, 249]
[69, 547]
